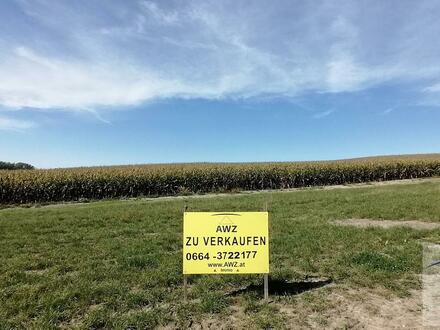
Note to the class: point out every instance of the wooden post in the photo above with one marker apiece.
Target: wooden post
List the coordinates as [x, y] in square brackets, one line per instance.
[266, 276]
[185, 278]
[266, 286]
[185, 291]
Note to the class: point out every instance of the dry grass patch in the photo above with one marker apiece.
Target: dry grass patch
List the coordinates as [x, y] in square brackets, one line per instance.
[354, 309]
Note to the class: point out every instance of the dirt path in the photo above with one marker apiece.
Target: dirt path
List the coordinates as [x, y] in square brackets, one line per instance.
[386, 224]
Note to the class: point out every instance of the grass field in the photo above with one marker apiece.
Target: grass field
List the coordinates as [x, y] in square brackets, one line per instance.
[117, 264]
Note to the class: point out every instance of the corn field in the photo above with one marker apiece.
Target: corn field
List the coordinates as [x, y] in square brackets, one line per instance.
[76, 184]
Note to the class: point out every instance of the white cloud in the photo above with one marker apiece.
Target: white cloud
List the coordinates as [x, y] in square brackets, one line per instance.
[430, 96]
[207, 49]
[11, 124]
[163, 17]
[433, 88]
[323, 114]
[388, 110]
[30, 80]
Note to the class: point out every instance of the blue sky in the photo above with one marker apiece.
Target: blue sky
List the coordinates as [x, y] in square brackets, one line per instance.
[121, 82]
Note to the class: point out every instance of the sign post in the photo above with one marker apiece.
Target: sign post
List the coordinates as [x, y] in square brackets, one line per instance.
[226, 243]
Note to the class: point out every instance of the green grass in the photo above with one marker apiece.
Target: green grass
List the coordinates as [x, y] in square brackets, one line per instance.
[117, 264]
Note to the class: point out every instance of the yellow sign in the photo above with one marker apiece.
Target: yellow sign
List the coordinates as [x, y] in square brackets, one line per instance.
[225, 243]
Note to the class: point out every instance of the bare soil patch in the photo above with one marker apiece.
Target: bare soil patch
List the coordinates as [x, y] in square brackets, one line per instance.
[337, 308]
[363, 309]
[386, 224]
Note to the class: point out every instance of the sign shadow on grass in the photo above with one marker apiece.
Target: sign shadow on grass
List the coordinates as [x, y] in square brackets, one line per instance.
[279, 287]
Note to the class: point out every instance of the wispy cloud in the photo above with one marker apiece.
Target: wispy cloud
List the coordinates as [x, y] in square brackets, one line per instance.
[388, 110]
[169, 17]
[433, 88]
[10, 124]
[323, 114]
[31, 80]
[430, 96]
[97, 115]
[138, 51]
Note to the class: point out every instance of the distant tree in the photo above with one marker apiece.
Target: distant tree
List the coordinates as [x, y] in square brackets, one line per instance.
[15, 166]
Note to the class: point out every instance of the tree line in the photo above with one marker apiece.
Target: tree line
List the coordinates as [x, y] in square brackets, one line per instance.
[15, 166]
